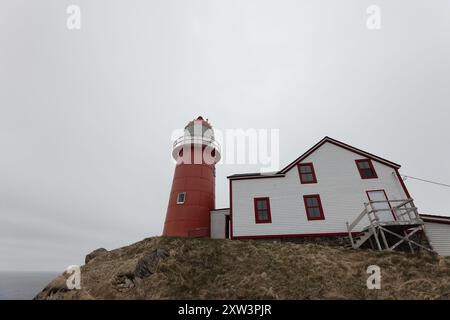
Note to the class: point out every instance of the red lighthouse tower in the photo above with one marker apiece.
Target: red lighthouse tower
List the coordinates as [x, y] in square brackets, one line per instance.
[193, 187]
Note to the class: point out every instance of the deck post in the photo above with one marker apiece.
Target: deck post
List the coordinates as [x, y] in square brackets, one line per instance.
[371, 243]
[409, 243]
[383, 236]
[350, 235]
[375, 234]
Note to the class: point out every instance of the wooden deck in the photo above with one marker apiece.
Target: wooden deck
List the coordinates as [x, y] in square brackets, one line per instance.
[405, 225]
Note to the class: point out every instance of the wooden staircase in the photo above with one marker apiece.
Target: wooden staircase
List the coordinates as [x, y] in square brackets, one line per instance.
[361, 238]
[389, 235]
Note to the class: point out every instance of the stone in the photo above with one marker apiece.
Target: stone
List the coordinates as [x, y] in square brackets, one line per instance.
[94, 254]
[148, 263]
[123, 282]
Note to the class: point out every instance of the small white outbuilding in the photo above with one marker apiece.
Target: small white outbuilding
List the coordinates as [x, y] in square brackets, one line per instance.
[438, 231]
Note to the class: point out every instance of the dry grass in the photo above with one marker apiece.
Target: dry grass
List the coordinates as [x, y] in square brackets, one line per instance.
[224, 269]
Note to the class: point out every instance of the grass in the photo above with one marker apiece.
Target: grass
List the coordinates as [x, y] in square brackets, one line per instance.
[252, 269]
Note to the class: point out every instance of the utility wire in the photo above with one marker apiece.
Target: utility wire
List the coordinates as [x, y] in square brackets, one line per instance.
[429, 181]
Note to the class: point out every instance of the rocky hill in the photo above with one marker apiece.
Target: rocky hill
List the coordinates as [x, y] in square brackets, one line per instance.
[175, 268]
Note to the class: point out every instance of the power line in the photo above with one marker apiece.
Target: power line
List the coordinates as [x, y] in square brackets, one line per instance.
[429, 181]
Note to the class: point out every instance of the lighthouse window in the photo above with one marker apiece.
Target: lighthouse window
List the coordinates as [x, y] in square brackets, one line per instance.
[262, 210]
[181, 197]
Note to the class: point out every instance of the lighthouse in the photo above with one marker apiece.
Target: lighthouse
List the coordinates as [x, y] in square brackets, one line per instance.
[192, 196]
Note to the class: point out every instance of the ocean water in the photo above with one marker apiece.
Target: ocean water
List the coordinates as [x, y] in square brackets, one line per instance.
[23, 285]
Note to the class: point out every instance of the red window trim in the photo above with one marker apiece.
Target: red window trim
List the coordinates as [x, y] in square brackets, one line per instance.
[316, 196]
[313, 172]
[371, 168]
[268, 210]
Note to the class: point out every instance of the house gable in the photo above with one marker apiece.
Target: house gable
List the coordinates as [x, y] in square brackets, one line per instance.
[338, 143]
[281, 173]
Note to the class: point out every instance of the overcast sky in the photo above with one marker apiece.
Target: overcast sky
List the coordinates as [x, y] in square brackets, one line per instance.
[86, 116]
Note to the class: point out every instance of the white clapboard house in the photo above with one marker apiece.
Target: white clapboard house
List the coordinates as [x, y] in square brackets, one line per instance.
[332, 190]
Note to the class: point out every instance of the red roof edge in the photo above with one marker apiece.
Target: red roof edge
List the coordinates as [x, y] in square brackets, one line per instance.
[434, 216]
[342, 145]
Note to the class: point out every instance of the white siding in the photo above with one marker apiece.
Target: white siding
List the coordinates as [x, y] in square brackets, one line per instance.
[341, 189]
[439, 235]
[218, 223]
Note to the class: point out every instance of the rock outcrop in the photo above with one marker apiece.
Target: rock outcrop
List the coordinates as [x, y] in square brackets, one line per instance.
[94, 254]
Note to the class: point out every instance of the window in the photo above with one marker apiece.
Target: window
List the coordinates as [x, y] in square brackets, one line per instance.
[307, 174]
[366, 169]
[313, 207]
[262, 210]
[181, 197]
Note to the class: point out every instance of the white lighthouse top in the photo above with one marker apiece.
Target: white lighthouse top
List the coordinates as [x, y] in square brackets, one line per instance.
[197, 132]
[199, 127]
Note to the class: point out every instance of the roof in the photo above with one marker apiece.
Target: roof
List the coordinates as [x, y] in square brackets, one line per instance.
[255, 175]
[326, 139]
[199, 121]
[224, 211]
[435, 218]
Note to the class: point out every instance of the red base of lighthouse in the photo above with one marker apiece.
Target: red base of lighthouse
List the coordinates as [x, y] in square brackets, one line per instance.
[191, 218]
